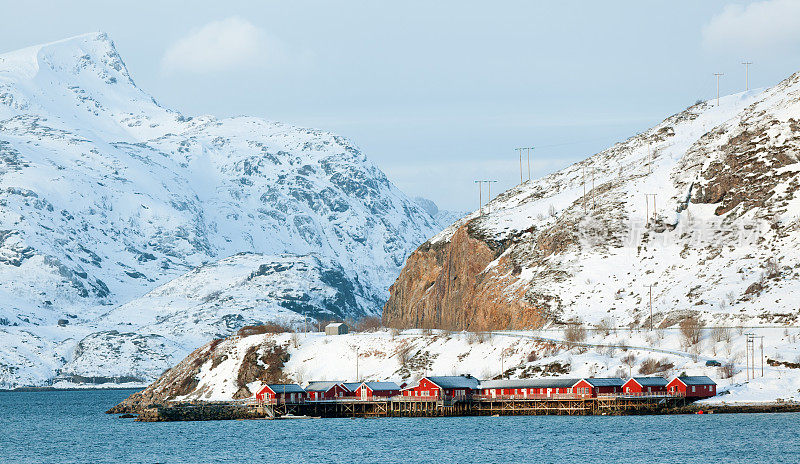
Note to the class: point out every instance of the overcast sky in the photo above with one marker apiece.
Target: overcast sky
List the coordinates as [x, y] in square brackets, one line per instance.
[440, 93]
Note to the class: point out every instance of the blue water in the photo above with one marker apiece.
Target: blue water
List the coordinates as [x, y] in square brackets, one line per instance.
[70, 427]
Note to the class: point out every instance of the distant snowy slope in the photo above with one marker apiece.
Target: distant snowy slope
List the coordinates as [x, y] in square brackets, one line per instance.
[105, 195]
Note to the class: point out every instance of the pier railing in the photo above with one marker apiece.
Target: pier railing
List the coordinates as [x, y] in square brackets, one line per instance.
[474, 397]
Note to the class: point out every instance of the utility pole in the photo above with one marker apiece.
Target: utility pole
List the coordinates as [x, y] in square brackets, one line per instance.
[747, 357]
[647, 204]
[750, 355]
[584, 189]
[592, 170]
[529, 162]
[520, 164]
[718, 76]
[357, 365]
[747, 74]
[488, 202]
[480, 197]
[651, 306]
[649, 159]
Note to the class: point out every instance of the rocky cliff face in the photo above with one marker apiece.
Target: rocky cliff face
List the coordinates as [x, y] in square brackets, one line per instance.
[703, 206]
[449, 286]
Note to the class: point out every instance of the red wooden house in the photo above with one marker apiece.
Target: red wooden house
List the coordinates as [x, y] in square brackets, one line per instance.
[642, 386]
[594, 387]
[370, 390]
[526, 388]
[328, 390]
[698, 386]
[442, 387]
[352, 388]
[281, 393]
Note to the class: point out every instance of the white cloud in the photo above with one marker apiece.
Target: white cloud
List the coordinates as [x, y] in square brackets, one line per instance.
[765, 26]
[230, 44]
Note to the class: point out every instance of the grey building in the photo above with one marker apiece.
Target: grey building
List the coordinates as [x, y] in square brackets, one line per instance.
[336, 328]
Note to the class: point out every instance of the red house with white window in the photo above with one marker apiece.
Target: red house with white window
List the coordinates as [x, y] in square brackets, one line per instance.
[442, 387]
[328, 390]
[592, 388]
[383, 390]
[643, 386]
[281, 393]
[698, 386]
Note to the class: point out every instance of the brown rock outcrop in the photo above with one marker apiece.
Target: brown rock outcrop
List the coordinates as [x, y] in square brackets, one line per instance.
[447, 285]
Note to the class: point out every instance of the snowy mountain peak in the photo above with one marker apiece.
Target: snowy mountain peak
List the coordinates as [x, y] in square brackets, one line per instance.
[106, 196]
[92, 53]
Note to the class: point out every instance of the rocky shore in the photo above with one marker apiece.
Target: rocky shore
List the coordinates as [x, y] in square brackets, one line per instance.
[190, 412]
[228, 411]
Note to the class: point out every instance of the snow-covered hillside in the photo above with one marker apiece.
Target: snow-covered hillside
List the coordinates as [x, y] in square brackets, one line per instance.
[106, 197]
[237, 367]
[703, 207]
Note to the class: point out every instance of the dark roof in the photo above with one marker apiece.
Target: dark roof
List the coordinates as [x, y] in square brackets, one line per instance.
[605, 382]
[529, 383]
[286, 388]
[454, 381]
[696, 380]
[322, 386]
[382, 386]
[352, 386]
[650, 381]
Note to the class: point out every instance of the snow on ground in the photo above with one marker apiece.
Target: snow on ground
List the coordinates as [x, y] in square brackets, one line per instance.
[380, 356]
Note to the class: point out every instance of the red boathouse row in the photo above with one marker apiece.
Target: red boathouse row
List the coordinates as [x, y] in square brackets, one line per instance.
[463, 387]
[326, 391]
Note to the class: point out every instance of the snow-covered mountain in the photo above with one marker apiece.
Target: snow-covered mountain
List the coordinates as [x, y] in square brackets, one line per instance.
[106, 197]
[703, 207]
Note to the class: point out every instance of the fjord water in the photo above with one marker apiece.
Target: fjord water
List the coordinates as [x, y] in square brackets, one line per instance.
[70, 427]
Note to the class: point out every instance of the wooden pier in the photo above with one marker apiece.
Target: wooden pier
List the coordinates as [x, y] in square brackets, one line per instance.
[403, 407]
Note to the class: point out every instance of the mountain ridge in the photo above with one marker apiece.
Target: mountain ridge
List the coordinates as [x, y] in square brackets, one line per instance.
[717, 244]
[105, 196]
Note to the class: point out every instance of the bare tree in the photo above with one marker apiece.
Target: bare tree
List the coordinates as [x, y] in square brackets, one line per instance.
[605, 326]
[771, 268]
[403, 355]
[630, 361]
[721, 334]
[727, 370]
[692, 330]
[575, 331]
